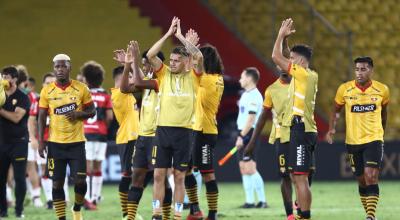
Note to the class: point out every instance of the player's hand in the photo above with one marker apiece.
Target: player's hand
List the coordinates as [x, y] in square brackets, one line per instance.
[34, 143]
[72, 116]
[172, 28]
[287, 28]
[119, 56]
[135, 50]
[42, 149]
[329, 136]
[192, 37]
[178, 32]
[239, 142]
[129, 54]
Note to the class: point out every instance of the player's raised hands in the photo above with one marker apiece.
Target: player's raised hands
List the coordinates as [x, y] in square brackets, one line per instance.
[287, 28]
[135, 50]
[172, 28]
[119, 56]
[178, 32]
[192, 37]
[129, 54]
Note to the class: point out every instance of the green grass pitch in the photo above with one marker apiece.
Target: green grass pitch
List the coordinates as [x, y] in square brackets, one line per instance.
[331, 201]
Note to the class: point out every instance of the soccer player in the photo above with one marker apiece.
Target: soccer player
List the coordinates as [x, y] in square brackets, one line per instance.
[68, 103]
[46, 182]
[142, 158]
[365, 102]
[275, 101]
[96, 132]
[178, 83]
[250, 107]
[299, 113]
[205, 131]
[14, 149]
[127, 115]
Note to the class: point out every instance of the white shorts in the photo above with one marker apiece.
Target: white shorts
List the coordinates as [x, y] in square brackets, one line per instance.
[33, 156]
[95, 150]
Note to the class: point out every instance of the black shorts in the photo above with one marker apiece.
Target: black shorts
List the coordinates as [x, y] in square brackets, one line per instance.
[365, 155]
[282, 154]
[173, 148]
[301, 150]
[15, 151]
[203, 151]
[142, 153]
[62, 154]
[240, 153]
[125, 152]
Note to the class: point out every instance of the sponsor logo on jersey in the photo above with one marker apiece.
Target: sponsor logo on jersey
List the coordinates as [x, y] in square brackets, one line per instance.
[363, 108]
[64, 109]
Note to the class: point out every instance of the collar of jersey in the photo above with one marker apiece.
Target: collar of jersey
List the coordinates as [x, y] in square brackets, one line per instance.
[363, 88]
[63, 87]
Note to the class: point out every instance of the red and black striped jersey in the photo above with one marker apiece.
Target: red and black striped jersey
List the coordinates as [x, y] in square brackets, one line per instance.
[96, 126]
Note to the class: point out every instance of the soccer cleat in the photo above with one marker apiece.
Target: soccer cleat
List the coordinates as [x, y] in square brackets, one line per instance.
[76, 215]
[247, 206]
[291, 217]
[89, 206]
[262, 205]
[185, 206]
[4, 214]
[156, 217]
[49, 204]
[37, 202]
[195, 216]
[18, 216]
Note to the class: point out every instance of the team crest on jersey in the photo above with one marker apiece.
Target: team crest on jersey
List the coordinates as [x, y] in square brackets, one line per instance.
[72, 98]
[64, 109]
[363, 108]
[374, 99]
[14, 101]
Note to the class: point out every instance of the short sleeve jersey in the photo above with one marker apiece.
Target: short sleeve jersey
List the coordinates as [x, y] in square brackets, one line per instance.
[250, 102]
[96, 127]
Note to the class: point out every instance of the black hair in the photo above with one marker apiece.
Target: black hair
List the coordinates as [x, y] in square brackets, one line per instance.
[364, 59]
[159, 55]
[118, 71]
[50, 74]
[212, 60]
[32, 80]
[253, 73]
[181, 50]
[303, 50]
[93, 73]
[22, 76]
[10, 70]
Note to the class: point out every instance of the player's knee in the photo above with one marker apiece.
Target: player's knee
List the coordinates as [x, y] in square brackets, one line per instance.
[159, 177]
[138, 178]
[207, 177]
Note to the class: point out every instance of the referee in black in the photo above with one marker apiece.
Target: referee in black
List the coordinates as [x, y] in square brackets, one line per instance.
[14, 144]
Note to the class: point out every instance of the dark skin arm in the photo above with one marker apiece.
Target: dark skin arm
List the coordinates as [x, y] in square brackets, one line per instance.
[41, 127]
[87, 112]
[335, 115]
[257, 131]
[134, 53]
[384, 116]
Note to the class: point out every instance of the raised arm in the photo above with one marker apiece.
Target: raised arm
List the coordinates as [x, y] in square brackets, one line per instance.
[277, 54]
[152, 53]
[137, 72]
[190, 47]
